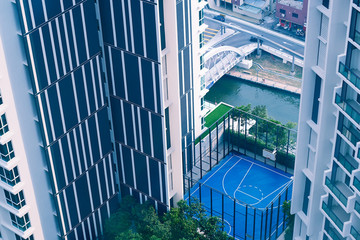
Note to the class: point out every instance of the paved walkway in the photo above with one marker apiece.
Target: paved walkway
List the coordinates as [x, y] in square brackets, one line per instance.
[265, 82]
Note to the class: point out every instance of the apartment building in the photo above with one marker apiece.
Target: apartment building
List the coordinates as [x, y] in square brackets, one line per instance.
[326, 193]
[97, 102]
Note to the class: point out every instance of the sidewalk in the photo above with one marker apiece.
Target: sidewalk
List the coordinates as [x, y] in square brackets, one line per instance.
[265, 82]
[218, 38]
[254, 23]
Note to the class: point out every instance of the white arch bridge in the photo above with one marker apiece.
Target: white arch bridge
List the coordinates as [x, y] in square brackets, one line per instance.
[218, 61]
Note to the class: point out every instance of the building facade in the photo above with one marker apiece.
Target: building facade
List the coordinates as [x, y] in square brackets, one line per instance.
[292, 14]
[97, 99]
[326, 186]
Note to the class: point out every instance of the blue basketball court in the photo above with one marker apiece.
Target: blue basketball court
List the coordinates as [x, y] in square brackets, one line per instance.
[246, 194]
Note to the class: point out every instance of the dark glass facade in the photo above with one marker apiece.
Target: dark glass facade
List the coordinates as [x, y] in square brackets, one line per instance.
[97, 84]
[62, 43]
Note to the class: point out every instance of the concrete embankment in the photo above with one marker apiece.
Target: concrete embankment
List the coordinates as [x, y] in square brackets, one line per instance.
[265, 82]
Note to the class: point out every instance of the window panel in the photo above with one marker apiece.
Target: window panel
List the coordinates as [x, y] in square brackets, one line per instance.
[17, 200]
[1, 100]
[201, 17]
[7, 151]
[17, 237]
[4, 128]
[21, 223]
[10, 177]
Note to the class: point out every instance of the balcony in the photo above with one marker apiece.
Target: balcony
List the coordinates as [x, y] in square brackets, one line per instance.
[340, 190]
[350, 133]
[355, 233]
[356, 183]
[336, 214]
[333, 234]
[349, 74]
[348, 162]
[349, 106]
[357, 207]
[356, 37]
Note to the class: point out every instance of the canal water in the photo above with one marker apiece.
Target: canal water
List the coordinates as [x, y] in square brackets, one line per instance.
[280, 105]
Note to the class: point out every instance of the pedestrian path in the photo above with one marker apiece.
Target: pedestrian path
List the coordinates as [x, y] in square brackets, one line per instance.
[209, 34]
[265, 82]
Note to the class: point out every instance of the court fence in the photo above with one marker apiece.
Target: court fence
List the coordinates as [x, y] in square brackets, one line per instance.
[250, 135]
[239, 219]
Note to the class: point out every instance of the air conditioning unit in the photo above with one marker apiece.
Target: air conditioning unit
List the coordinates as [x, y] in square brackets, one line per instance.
[282, 15]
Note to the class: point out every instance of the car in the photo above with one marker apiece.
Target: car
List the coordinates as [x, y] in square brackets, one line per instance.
[255, 39]
[220, 18]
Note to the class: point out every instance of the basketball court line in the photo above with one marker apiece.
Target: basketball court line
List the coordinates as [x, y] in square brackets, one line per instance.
[248, 195]
[222, 184]
[252, 163]
[242, 179]
[209, 177]
[265, 167]
[233, 164]
[287, 184]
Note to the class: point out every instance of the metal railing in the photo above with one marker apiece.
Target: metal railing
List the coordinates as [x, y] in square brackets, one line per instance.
[336, 191]
[345, 163]
[355, 233]
[352, 112]
[250, 135]
[357, 206]
[333, 216]
[356, 183]
[239, 219]
[349, 134]
[333, 234]
[349, 74]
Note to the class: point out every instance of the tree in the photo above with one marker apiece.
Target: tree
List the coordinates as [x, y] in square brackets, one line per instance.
[260, 111]
[290, 219]
[134, 221]
[241, 114]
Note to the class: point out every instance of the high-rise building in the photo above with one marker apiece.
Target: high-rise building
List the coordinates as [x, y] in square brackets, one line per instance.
[96, 99]
[326, 196]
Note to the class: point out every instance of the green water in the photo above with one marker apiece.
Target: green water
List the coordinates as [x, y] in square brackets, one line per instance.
[280, 105]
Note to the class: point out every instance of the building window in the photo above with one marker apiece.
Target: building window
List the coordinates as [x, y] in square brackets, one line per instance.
[326, 3]
[166, 88]
[306, 196]
[171, 178]
[295, 15]
[162, 25]
[202, 123]
[282, 11]
[11, 177]
[355, 26]
[201, 17]
[201, 39]
[7, 151]
[1, 100]
[201, 62]
[20, 238]
[21, 223]
[315, 109]
[167, 126]
[202, 103]
[17, 200]
[4, 128]
[202, 83]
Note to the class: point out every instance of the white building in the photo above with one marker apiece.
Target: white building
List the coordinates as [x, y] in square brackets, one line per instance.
[96, 102]
[326, 197]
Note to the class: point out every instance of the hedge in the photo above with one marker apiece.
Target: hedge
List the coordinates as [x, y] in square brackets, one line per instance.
[257, 147]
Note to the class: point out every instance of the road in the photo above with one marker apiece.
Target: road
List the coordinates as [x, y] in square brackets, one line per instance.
[243, 32]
